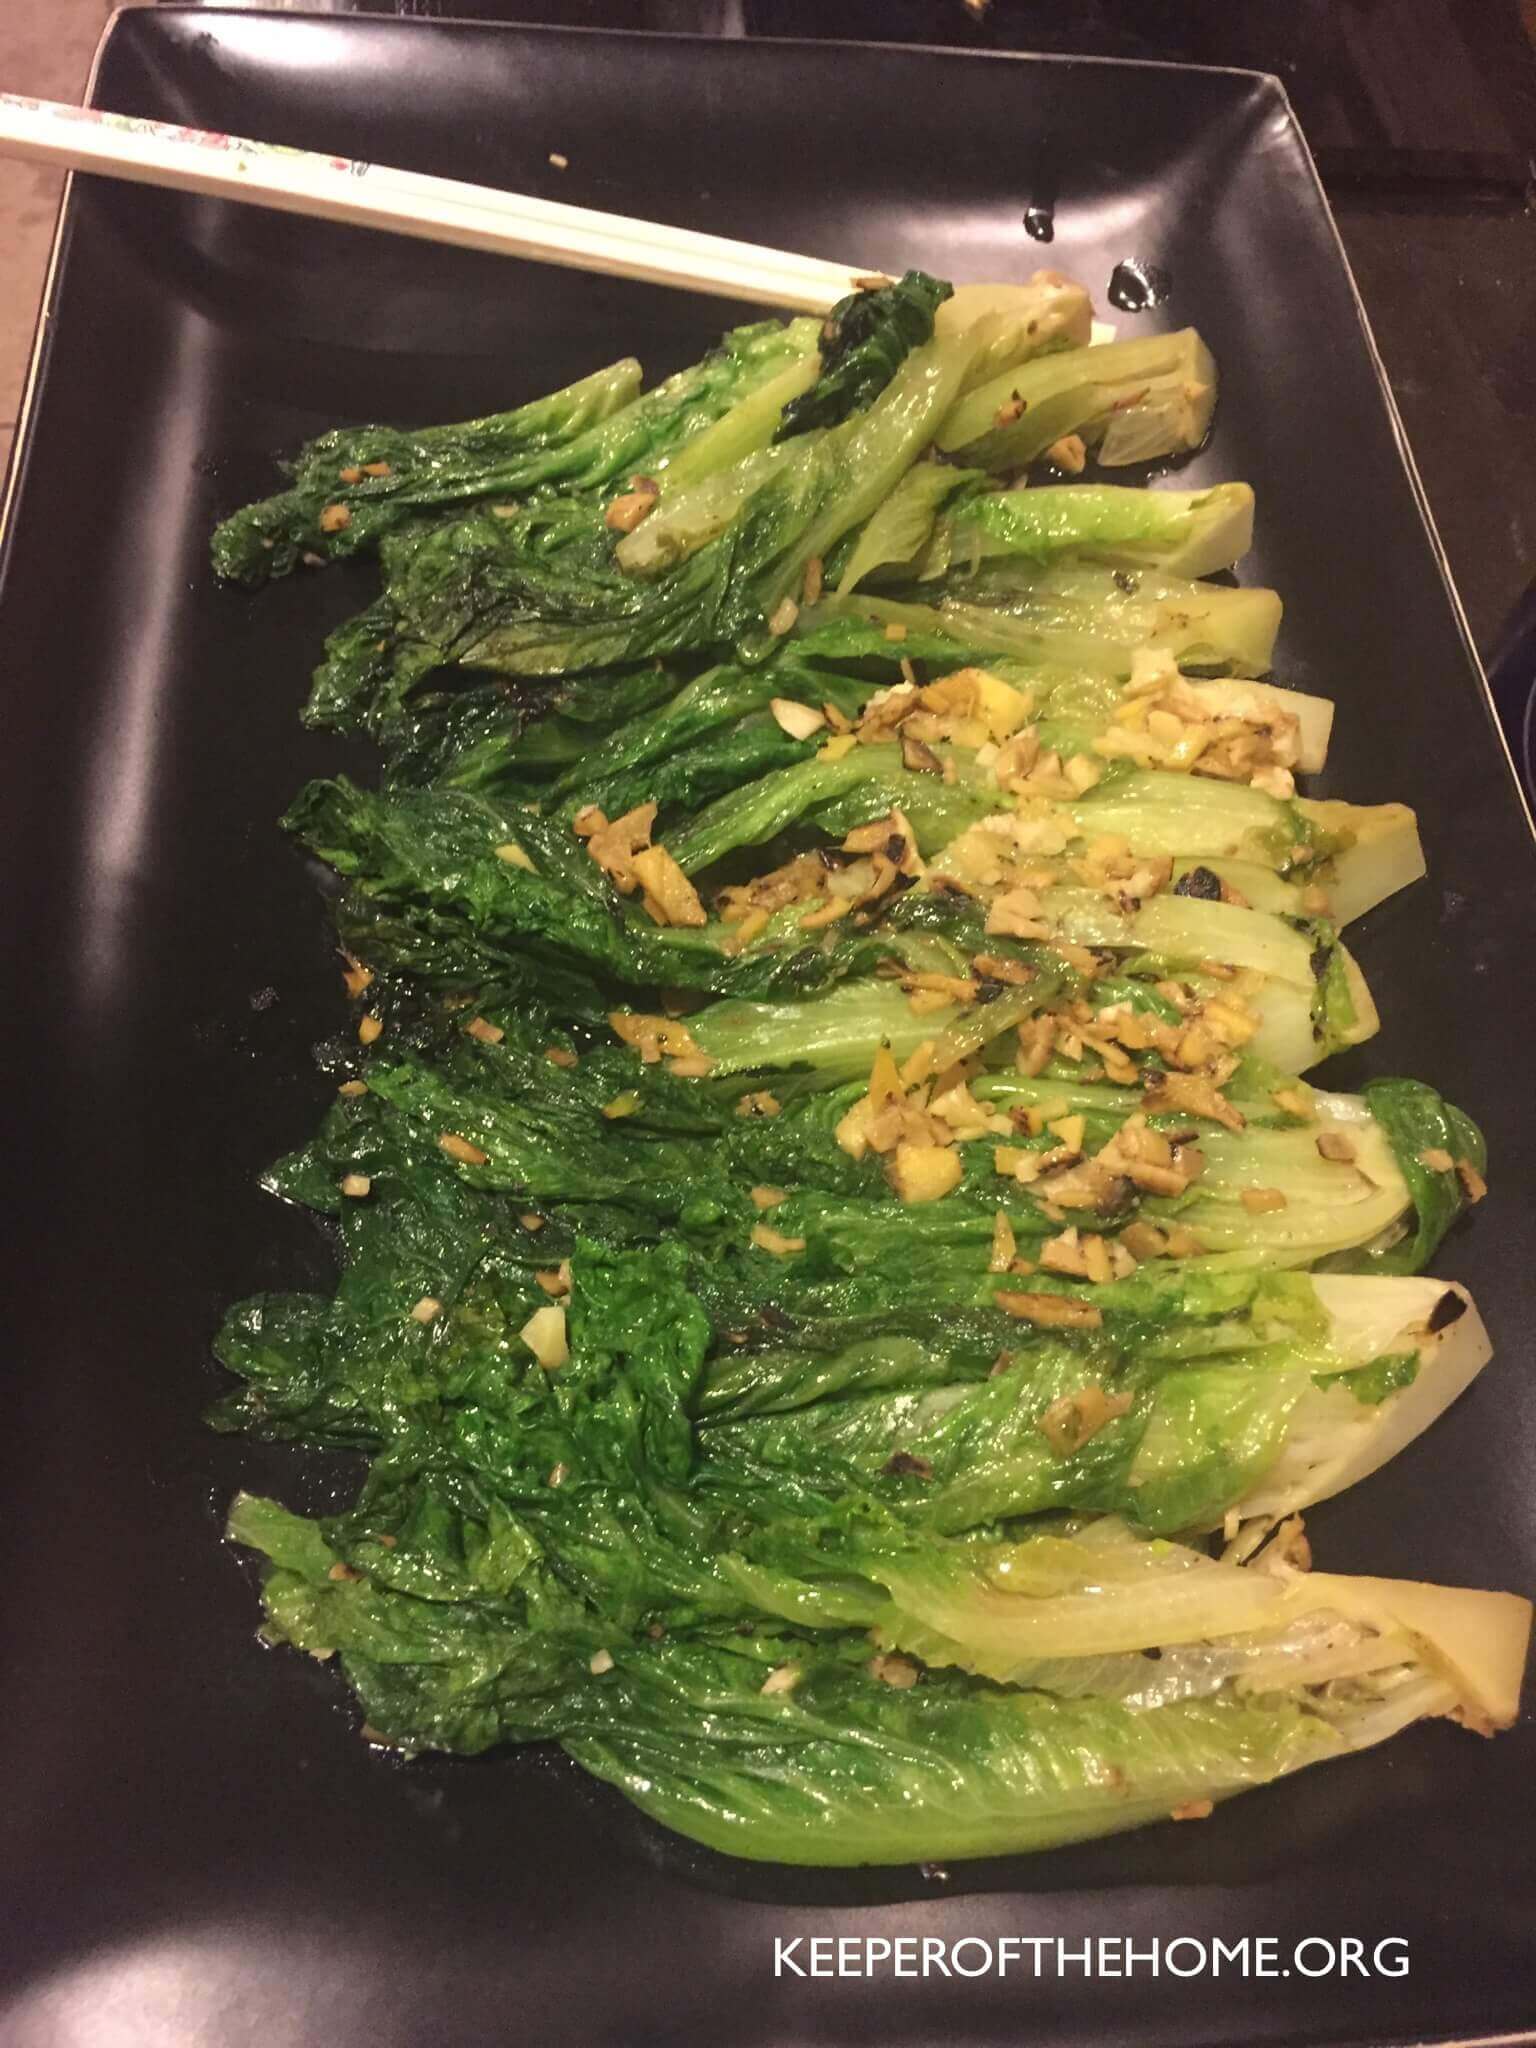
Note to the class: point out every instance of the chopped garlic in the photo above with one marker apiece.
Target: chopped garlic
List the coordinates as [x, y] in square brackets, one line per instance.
[669, 897]
[769, 1240]
[1068, 1423]
[900, 1672]
[625, 513]
[800, 721]
[544, 1334]
[356, 976]
[1072, 1130]
[1005, 1245]
[462, 1150]
[758, 1103]
[1051, 1311]
[924, 1173]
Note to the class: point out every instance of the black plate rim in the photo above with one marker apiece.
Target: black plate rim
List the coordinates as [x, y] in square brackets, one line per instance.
[1415, 480]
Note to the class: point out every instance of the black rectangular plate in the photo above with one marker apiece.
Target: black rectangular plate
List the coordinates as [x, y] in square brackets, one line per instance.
[193, 1841]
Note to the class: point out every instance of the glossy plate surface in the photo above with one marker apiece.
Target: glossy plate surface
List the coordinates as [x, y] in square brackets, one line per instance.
[194, 1844]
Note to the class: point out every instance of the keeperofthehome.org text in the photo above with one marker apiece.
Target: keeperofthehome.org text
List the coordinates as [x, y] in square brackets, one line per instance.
[1105, 1955]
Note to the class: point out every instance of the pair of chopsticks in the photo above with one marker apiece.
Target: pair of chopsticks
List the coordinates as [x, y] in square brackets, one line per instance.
[409, 203]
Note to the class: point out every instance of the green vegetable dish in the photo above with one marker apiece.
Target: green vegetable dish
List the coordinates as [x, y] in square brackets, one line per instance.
[845, 1292]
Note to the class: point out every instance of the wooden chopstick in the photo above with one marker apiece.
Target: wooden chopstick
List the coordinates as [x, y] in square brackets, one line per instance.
[410, 203]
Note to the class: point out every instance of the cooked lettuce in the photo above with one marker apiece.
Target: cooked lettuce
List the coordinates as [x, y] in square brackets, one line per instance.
[1134, 401]
[372, 481]
[830, 1231]
[863, 341]
[1081, 614]
[1187, 533]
